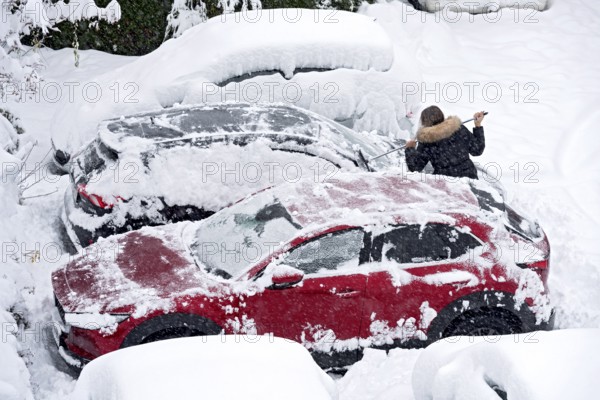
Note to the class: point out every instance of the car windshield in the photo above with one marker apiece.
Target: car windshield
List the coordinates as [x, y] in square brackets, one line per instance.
[237, 237]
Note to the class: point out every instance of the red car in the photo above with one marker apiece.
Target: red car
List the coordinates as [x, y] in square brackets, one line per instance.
[365, 260]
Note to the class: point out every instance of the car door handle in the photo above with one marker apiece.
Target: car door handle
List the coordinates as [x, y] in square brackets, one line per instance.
[348, 293]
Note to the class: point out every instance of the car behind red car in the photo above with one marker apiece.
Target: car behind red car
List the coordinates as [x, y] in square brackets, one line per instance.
[363, 260]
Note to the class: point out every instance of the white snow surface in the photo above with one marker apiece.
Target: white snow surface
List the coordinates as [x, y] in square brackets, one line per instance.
[555, 365]
[553, 141]
[223, 367]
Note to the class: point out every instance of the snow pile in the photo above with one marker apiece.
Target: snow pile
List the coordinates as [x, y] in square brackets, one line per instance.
[533, 366]
[224, 367]
[380, 375]
[14, 376]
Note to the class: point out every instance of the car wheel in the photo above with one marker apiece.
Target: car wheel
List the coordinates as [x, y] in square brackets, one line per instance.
[484, 322]
[171, 333]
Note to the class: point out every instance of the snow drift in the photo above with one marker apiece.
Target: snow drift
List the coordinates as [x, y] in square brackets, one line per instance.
[211, 367]
[533, 366]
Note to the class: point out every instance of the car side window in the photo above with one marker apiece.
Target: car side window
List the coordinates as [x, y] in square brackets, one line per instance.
[328, 252]
[417, 244]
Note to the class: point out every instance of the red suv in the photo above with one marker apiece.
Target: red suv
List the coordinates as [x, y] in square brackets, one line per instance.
[364, 260]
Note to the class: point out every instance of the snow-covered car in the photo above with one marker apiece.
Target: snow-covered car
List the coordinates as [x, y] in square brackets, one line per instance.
[363, 260]
[335, 63]
[219, 367]
[478, 7]
[185, 163]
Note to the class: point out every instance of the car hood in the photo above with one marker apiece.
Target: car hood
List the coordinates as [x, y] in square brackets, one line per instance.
[135, 272]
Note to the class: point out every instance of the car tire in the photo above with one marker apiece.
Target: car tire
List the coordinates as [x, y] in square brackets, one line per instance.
[170, 326]
[485, 321]
[172, 333]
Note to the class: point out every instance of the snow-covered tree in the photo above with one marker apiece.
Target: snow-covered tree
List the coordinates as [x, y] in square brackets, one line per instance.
[20, 65]
[184, 15]
[228, 6]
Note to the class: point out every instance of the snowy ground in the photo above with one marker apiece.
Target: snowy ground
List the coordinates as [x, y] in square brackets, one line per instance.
[544, 150]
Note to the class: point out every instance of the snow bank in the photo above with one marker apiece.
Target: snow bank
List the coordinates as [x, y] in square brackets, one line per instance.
[211, 367]
[14, 376]
[538, 365]
[380, 375]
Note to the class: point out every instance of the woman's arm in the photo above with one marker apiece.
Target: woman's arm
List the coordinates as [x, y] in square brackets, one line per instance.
[416, 157]
[477, 140]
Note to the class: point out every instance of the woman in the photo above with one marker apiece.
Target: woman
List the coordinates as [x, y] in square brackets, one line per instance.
[446, 143]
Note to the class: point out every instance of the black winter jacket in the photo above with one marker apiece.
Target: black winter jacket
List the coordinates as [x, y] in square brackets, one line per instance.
[447, 145]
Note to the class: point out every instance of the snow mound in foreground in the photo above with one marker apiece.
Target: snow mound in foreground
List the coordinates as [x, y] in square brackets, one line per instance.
[539, 365]
[211, 367]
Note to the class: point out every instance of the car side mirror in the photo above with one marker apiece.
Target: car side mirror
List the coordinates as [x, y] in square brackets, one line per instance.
[283, 276]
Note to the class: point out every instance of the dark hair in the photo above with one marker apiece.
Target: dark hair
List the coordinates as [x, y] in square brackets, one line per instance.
[432, 115]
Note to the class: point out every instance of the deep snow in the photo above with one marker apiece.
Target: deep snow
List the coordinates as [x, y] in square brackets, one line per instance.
[551, 143]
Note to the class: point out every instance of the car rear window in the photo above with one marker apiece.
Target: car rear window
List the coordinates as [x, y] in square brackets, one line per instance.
[521, 225]
[94, 157]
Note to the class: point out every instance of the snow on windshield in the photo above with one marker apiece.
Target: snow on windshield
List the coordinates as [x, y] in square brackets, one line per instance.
[182, 123]
[237, 237]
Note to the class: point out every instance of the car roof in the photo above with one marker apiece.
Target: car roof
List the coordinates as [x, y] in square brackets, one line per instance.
[202, 123]
[359, 199]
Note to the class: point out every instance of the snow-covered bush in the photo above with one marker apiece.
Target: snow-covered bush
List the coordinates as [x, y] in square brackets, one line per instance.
[20, 65]
[10, 128]
[184, 14]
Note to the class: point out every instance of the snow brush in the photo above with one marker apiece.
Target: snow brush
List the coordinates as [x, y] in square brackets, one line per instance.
[364, 159]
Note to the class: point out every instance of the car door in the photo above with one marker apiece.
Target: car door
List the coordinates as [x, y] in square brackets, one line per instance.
[414, 271]
[324, 309]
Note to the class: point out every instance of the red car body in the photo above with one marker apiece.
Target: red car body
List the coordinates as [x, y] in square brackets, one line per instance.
[355, 290]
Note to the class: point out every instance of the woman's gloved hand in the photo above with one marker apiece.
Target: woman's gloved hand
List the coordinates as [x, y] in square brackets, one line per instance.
[478, 118]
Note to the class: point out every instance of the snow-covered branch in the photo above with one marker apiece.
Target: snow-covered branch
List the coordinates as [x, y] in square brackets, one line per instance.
[19, 66]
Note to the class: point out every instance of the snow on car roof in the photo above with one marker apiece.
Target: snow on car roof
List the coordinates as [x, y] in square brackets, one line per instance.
[144, 130]
[269, 40]
[356, 198]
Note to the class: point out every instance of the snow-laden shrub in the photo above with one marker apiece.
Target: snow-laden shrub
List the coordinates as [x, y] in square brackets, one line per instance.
[145, 24]
[20, 65]
[10, 128]
[184, 15]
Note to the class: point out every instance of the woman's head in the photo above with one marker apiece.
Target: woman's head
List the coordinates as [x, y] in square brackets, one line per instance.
[432, 115]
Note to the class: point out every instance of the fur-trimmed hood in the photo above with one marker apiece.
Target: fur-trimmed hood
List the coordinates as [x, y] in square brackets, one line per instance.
[440, 131]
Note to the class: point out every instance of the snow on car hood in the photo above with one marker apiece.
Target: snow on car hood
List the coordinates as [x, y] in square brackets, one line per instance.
[134, 272]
